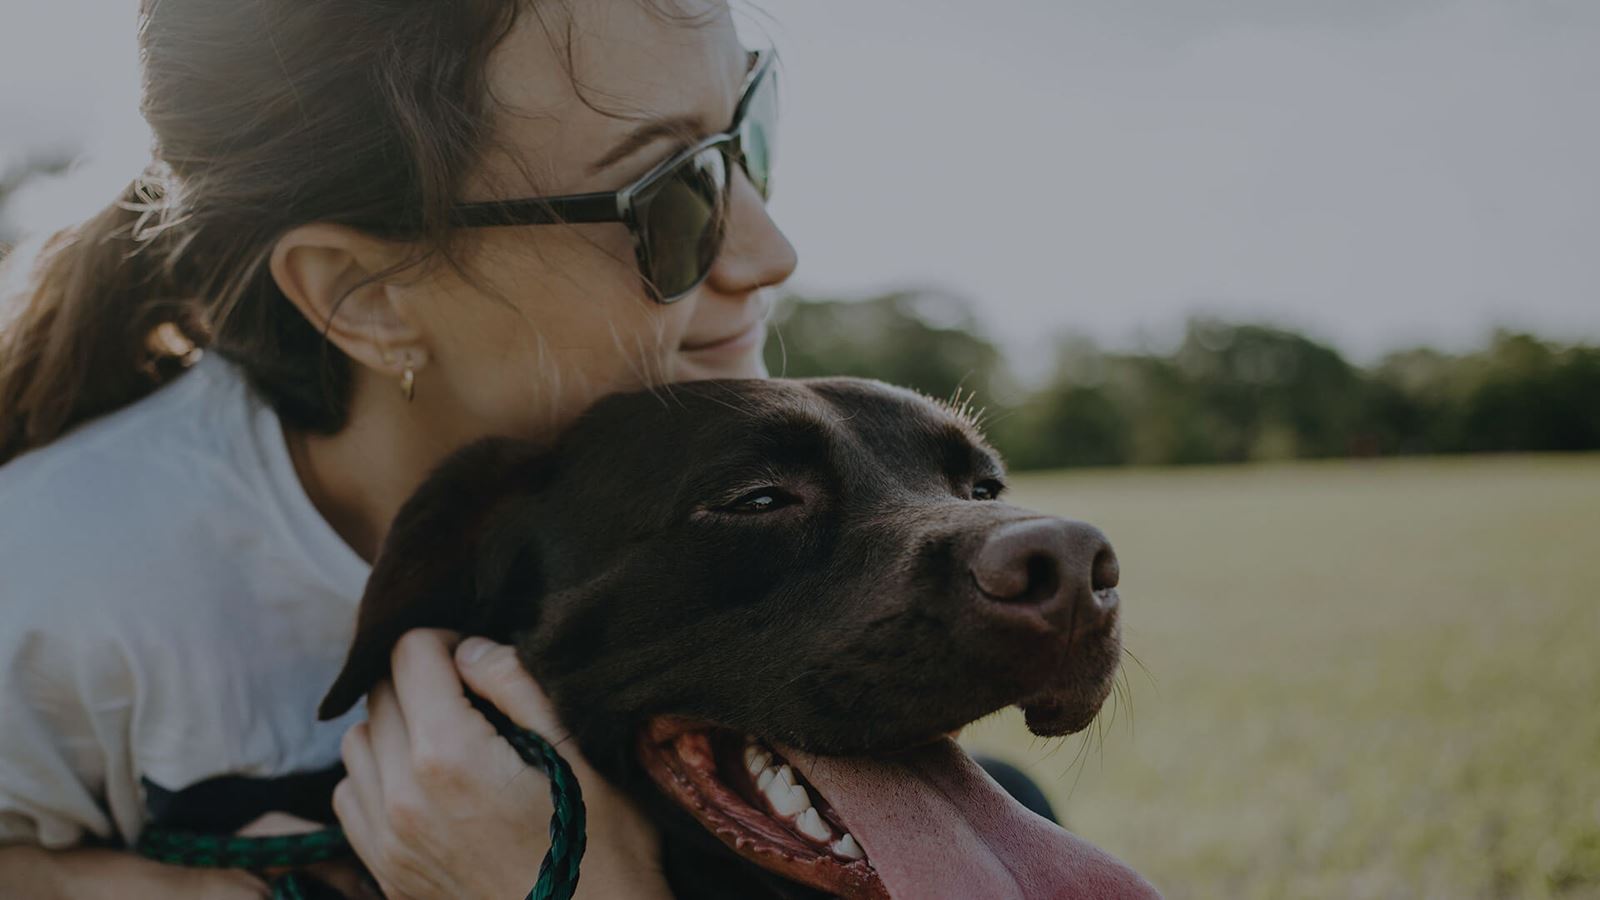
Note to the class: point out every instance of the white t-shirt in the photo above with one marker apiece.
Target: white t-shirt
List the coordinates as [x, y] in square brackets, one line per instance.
[172, 608]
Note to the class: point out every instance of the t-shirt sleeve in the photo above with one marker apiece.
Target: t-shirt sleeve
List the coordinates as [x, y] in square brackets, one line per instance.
[59, 706]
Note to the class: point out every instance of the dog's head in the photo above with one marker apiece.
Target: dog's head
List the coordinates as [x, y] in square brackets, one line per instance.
[715, 580]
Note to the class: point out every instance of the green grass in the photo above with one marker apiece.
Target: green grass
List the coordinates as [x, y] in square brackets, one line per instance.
[1358, 679]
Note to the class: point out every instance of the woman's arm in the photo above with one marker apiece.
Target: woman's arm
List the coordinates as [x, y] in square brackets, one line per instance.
[85, 874]
[55, 680]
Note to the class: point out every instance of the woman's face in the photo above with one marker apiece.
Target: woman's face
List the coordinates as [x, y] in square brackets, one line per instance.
[547, 318]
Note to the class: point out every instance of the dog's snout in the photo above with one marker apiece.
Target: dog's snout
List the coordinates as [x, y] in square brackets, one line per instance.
[1065, 570]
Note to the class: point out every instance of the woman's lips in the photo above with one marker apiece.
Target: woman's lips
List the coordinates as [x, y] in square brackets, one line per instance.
[743, 339]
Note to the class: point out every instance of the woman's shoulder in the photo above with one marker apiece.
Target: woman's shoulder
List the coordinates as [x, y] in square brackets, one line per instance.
[193, 417]
[169, 444]
[152, 496]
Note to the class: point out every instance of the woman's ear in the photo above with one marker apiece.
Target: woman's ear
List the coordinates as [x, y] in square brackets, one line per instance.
[336, 276]
[458, 551]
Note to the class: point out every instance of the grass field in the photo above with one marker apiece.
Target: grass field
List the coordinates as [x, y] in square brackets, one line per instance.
[1359, 679]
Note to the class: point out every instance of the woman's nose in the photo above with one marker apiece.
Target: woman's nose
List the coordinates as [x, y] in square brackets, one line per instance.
[755, 254]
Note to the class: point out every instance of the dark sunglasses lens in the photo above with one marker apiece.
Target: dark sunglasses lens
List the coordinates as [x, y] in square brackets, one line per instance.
[681, 223]
[758, 133]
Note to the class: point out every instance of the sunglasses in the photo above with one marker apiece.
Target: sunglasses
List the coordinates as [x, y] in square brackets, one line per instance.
[678, 211]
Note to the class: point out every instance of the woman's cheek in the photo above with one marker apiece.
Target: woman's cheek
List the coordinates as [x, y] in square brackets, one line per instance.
[540, 336]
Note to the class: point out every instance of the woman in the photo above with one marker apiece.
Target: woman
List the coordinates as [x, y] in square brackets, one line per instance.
[183, 545]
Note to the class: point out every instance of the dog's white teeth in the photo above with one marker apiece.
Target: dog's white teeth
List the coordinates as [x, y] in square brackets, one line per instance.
[771, 787]
[786, 775]
[811, 825]
[786, 799]
[756, 759]
[848, 848]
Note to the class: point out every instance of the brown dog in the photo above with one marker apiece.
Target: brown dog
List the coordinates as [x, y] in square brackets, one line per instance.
[760, 606]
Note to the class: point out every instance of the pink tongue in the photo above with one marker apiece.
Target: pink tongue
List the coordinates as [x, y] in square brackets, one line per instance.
[935, 825]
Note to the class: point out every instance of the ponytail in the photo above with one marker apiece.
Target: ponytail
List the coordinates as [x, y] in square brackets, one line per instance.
[266, 115]
[94, 327]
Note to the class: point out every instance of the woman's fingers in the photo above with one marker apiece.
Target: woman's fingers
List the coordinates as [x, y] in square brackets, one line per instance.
[410, 777]
[388, 740]
[427, 685]
[623, 844]
[436, 803]
[439, 806]
[437, 713]
[494, 673]
[362, 832]
[361, 770]
[358, 799]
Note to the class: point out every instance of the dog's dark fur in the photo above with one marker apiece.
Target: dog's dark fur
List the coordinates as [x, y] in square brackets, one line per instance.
[846, 622]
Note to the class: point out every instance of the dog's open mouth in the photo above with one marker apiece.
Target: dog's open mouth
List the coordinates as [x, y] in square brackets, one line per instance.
[920, 825]
[749, 796]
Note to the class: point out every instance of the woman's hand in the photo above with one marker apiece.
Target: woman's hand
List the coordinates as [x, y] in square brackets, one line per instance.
[438, 805]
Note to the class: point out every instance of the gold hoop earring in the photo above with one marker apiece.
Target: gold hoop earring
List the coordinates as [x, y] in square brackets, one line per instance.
[408, 384]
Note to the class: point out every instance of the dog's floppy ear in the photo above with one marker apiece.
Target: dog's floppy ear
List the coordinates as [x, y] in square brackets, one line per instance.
[457, 544]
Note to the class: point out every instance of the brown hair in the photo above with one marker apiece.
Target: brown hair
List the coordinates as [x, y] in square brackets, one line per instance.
[267, 114]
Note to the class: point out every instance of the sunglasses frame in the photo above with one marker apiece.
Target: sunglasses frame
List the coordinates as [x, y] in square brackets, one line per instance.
[625, 205]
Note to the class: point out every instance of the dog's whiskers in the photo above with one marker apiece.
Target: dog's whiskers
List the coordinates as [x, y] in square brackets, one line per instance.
[1140, 663]
[1123, 693]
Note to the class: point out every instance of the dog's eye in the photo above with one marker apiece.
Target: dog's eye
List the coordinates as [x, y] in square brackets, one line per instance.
[761, 500]
[987, 489]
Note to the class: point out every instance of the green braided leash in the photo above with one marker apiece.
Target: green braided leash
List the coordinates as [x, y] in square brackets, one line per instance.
[558, 873]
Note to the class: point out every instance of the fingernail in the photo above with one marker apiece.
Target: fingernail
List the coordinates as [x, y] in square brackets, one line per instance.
[472, 649]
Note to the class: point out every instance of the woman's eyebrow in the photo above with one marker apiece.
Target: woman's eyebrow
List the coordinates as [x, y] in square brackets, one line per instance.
[656, 129]
[647, 134]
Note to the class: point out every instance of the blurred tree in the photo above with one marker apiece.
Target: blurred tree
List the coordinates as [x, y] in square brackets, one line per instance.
[1273, 393]
[1230, 393]
[1065, 425]
[1415, 401]
[924, 340]
[1534, 396]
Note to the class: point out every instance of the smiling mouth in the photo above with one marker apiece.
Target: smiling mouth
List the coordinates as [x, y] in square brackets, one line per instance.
[752, 799]
[744, 335]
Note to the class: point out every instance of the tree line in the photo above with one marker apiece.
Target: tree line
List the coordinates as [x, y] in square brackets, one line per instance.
[1229, 392]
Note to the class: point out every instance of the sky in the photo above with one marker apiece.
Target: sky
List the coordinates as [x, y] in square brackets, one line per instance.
[1379, 173]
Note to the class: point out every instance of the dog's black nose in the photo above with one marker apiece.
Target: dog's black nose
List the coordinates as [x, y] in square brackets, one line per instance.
[1067, 570]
